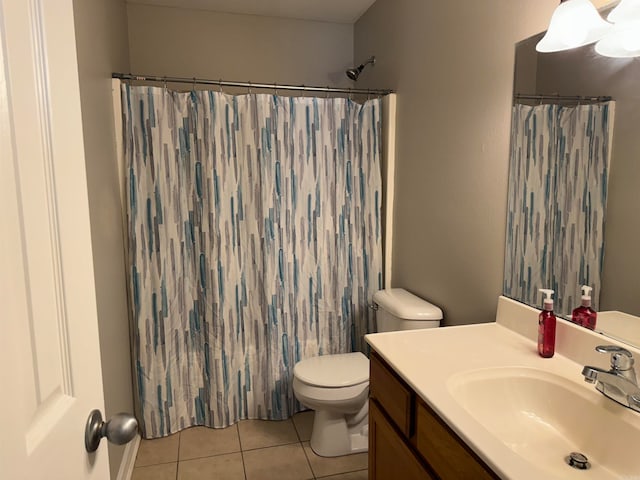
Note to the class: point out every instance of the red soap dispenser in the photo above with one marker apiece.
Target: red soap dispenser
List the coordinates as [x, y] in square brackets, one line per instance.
[547, 327]
[584, 315]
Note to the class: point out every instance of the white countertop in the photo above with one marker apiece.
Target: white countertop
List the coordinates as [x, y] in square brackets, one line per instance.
[427, 359]
[620, 325]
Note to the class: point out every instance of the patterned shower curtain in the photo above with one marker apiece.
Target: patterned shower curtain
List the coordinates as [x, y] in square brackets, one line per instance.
[254, 242]
[557, 198]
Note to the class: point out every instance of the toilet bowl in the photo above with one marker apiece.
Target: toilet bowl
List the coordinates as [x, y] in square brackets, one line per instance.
[337, 386]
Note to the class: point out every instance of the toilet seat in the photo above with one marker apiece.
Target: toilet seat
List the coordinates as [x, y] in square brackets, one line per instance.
[333, 371]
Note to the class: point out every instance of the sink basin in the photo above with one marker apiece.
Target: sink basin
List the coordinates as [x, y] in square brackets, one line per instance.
[542, 417]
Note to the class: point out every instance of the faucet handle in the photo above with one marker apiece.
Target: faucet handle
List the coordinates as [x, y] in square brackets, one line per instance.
[621, 358]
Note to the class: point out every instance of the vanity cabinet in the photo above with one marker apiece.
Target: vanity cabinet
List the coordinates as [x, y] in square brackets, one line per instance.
[408, 440]
[389, 456]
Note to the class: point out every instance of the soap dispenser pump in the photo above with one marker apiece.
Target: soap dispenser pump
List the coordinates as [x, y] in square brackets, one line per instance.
[584, 315]
[547, 326]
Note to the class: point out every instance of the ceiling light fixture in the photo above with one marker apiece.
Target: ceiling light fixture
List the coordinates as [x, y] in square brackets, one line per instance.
[624, 39]
[622, 42]
[626, 10]
[574, 23]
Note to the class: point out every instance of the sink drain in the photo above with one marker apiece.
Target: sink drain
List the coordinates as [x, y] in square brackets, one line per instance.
[578, 460]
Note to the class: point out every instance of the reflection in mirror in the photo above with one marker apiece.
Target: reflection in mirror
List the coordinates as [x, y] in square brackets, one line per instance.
[582, 72]
[558, 171]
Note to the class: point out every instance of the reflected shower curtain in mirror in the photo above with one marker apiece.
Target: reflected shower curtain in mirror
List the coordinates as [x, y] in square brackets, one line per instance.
[254, 242]
[558, 175]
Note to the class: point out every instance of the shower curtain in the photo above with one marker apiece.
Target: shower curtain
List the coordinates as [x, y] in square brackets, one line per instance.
[254, 242]
[557, 198]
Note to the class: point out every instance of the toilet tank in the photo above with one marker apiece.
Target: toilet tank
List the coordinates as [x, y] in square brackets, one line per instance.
[398, 309]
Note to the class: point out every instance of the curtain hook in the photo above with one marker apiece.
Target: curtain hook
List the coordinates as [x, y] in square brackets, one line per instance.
[350, 94]
[249, 88]
[327, 96]
[220, 85]
[368, 94]
[193, 87]
[164, 84]
[275, 87]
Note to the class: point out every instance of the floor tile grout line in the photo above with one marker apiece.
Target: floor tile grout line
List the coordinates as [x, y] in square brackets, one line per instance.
[342, 473]
[290, 420]
[154, 464]
[308, 461]
[271, 446]
[178, 463]
[237, 424]
[210, 456]
[244, 468]
[275, 446]
[296, 427]
[296, 430]
[333, 475]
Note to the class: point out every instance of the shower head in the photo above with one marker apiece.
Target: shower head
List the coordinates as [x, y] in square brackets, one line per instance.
[354, 73]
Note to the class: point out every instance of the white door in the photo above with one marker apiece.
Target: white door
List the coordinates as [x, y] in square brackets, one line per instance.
[49, 352]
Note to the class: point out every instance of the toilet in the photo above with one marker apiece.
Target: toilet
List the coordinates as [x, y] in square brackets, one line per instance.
[337, 386]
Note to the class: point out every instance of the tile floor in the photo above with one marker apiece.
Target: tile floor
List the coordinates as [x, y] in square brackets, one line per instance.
[249, 450]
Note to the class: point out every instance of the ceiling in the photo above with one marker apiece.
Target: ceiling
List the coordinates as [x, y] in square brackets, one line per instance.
[339, 11]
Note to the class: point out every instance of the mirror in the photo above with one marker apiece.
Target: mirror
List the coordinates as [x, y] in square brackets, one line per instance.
[582, 72]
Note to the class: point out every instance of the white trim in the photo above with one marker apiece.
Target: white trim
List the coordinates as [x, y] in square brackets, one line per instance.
[389, 153]
[612, 116]
[129, 459]
[43, 104]
[116, 93]
[117, 119]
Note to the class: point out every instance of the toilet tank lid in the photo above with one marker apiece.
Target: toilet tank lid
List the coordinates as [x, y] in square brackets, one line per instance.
[405, 305]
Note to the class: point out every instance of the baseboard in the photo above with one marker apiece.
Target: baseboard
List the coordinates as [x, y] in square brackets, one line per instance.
[129, 459]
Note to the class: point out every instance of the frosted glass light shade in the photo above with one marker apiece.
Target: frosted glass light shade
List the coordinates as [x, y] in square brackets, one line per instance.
[622, 42]
[626, 11]
[574, 23]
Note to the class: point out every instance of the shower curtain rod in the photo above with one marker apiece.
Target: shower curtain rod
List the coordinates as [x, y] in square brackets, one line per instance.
[565, 98]
[270, 86]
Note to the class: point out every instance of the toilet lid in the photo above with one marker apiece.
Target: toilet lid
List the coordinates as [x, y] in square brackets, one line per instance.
[341, 370]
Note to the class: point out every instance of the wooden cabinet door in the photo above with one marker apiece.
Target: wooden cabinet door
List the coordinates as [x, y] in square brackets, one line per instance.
[389, 456]
[393, 395]
[447, 455]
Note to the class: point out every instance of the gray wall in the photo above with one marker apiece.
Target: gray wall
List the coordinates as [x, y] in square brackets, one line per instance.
[452, 66]
[101, 38]
[198, 43]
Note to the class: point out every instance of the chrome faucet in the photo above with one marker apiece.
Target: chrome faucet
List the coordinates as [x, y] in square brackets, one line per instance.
[619, 383]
